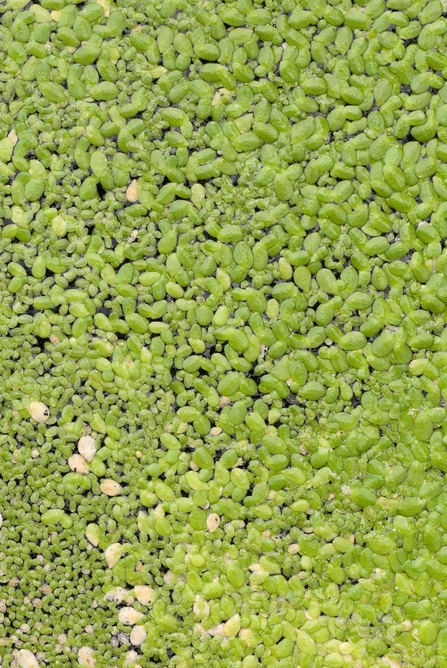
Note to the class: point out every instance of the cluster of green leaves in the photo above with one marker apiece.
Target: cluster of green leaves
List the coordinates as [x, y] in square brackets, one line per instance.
[222, 261]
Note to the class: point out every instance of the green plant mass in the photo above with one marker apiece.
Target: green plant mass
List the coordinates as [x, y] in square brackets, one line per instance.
[223, 334]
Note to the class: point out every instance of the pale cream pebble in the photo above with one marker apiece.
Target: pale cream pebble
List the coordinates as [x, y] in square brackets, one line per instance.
[87, 447]
[266, 534]
[131, 657]
[53, 339]
[78, 464]
[90, 630]
[25, 628]
[12, 136]
[116, 595]
[215, 431]
[110, 487]
[212, 522]
[224, 401]
[39, 411]
[86, 658]
[144, 594]
[132, 191]
[346, 489]
[35, 454]
[138, 635]
[293, 549]
[26, 659]
[113, 554]
[129, 616]
[132, 236]
[138, 454]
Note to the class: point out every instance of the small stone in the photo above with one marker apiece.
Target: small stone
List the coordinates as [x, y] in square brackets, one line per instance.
[129, 616]
[87, 447]
[39, 411]
[26, 659]
[132, 191]
[138, 635]
[86, 658]
[77, 463]
[144, 594]
[212, 522]
[110, 487]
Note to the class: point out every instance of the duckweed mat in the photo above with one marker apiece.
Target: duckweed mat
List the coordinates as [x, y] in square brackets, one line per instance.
[223, 341]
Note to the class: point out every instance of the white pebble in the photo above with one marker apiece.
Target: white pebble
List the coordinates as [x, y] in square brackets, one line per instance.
[212, 522]
[110, 487]
[39, 411]
[132, 191]
[77, 463]
[144, 594]
[215, 431]
[87, 447]
[116, 595]
[138, 635]
[26, 659]
[129, 616]
[131, 657]
[85, 657]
